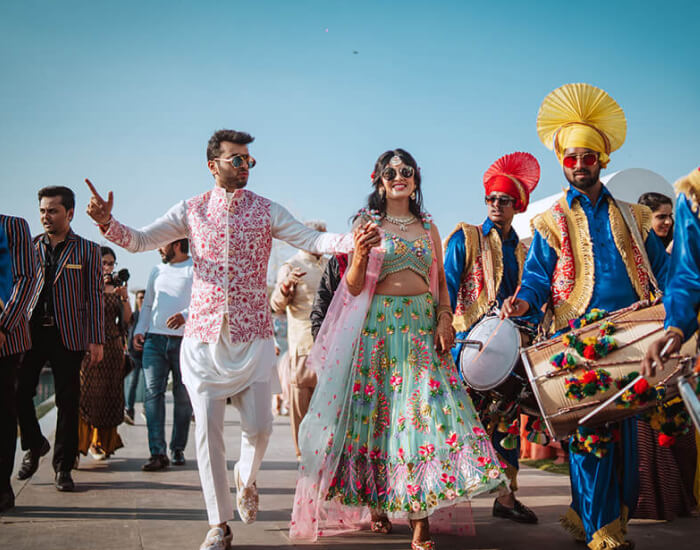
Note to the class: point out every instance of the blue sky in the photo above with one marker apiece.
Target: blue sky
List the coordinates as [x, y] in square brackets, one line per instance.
[128, 93]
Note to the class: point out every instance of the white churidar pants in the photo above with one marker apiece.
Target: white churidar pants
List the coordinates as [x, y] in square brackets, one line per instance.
[212, 373]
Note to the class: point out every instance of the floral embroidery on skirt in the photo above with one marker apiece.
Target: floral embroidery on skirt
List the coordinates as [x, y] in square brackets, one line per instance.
[414, 441]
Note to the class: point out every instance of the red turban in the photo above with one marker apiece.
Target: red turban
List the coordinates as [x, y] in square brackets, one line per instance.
[515, 175]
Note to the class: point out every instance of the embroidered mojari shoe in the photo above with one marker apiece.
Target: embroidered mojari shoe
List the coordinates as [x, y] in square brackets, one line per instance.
[423, 545]
[246, 499]
[217, 539]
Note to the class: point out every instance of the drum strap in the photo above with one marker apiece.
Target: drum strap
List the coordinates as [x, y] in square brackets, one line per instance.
[489, 275]
[637, 238]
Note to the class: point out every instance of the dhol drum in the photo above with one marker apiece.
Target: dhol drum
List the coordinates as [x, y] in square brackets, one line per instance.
[490, 364]
[689, 388]
[569, 385]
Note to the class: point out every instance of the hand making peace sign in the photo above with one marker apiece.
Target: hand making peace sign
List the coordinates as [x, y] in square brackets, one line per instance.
[99, 209]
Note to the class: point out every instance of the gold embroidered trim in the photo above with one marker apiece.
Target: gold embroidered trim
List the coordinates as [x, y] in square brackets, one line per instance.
[520, 255]
[547, 227]
[623, 243]
[625, 516]
[608, 536]
[643, 215]
[582, 250]
[475, 310]
[573, 525]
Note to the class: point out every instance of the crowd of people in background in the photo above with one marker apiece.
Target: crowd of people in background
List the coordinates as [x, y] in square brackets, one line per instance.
[359, 343]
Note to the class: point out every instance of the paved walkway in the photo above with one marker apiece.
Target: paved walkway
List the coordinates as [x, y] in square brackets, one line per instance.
[118, 507]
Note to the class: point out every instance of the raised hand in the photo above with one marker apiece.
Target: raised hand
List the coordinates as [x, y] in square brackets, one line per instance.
[366, 237]
[99, 209]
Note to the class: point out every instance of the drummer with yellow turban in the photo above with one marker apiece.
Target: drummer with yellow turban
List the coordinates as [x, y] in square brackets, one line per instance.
[583, 257]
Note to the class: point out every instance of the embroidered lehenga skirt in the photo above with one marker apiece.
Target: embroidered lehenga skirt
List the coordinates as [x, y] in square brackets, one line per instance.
[413, 442]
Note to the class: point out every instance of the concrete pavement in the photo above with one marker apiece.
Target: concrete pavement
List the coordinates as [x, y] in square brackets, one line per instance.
[118, 507]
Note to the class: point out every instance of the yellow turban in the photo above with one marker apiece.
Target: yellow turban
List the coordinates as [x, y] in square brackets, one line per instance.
[581, 115]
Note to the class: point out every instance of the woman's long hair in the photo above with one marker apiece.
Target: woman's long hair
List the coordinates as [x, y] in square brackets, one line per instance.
[376, 201]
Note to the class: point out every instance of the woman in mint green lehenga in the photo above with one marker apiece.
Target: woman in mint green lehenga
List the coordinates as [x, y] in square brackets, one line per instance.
[390, 429]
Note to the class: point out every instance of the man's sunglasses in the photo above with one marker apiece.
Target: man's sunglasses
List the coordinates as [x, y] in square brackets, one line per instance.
[389, 173]
[238, 160]
[587, 159]
[500, 201]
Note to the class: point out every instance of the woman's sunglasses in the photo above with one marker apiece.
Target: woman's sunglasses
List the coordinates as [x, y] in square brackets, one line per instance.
[389, 173]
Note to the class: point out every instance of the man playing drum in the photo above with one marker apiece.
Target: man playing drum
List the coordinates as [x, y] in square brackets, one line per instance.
[682, 298]
[483, 266]
[582, 257]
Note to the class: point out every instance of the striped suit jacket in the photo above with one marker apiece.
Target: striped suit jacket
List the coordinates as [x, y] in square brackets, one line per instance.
[25, 264]
[77, 292]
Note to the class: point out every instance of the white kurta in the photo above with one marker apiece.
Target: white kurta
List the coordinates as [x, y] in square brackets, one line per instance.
[223, 369]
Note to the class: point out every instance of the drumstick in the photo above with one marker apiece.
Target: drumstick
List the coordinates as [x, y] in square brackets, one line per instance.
[498, 326]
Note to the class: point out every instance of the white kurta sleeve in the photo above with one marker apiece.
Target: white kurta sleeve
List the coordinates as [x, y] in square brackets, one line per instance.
[290, 230]
[170, 227]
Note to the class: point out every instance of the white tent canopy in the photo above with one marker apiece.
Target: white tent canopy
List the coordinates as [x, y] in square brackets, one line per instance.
[626, 185]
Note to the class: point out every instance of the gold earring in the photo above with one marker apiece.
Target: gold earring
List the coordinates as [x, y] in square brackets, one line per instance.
[381, 191]
[413, 196]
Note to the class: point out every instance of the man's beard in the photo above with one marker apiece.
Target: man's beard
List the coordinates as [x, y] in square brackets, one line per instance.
[167, 257]
[236, 183]
[587, 182]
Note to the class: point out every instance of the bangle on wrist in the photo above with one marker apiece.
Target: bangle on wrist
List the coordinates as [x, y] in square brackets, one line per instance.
[105, 226]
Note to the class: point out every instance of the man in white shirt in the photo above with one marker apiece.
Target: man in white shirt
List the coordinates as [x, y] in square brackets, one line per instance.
[159, 334]
[227, 350]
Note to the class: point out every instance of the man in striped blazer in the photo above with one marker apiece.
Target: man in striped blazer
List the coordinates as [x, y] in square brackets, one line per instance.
[14, 341]
[66, 321]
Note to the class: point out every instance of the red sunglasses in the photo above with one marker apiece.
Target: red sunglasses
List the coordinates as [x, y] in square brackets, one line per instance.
[588, 159]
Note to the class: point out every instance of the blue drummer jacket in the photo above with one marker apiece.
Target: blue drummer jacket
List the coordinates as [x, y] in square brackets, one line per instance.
[612, 287]
[682, 298]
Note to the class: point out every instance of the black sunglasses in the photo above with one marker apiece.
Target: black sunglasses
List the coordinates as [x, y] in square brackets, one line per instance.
[389, 173]
[501, 201]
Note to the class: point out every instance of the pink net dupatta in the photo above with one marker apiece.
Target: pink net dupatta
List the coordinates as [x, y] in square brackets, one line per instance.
[331, 359]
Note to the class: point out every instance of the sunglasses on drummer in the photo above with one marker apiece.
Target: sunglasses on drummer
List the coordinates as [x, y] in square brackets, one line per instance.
[587, 159]
[499, 201]
[389, 173]
[238, 160]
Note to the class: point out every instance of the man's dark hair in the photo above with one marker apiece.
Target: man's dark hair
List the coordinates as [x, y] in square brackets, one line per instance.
[654, 200]
[184, 245]
[66, 194]
[234, 136]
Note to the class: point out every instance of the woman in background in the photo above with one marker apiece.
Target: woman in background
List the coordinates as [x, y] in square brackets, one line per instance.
[101, 386]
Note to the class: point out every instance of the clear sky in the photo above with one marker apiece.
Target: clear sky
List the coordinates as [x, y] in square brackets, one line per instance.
[127, 93]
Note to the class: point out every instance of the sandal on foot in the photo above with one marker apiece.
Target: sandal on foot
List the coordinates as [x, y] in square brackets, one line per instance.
[423, 545]
[381, 525]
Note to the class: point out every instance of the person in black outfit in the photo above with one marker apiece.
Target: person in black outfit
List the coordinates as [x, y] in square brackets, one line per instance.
[326, 289]
[67, 319]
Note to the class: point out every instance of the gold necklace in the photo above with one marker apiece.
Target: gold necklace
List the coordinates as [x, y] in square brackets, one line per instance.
[403, 223]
